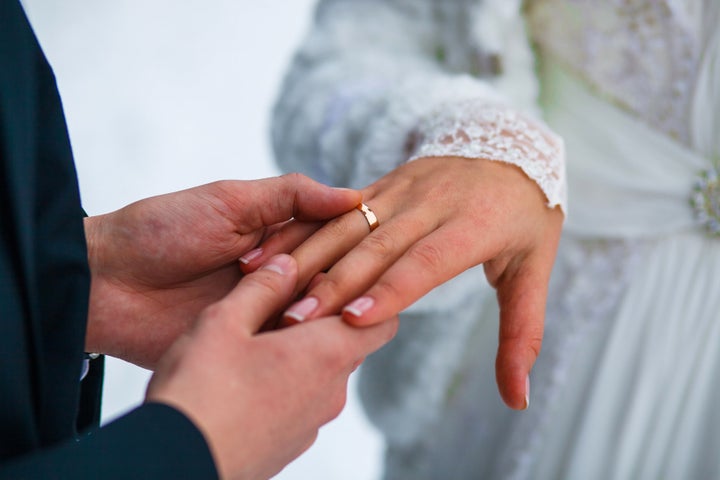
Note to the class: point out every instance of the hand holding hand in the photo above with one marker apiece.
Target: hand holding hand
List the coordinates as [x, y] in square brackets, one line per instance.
[438, 217]
[158, 262]
[260, 399]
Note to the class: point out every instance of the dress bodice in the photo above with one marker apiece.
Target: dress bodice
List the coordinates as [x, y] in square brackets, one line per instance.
[643, 55]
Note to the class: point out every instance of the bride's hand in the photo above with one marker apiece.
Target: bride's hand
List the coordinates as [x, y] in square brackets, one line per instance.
[438, 217]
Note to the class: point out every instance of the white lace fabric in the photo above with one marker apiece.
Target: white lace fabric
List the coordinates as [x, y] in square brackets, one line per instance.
[365, 88]
[476, 129]
[640, 54]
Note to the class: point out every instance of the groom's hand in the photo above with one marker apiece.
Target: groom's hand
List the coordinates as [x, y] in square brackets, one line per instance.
[157, 263]
[259, 399]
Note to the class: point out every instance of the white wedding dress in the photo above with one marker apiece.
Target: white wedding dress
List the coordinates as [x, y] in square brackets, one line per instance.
[626, 384]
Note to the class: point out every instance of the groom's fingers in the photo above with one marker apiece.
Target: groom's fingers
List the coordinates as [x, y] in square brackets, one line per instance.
[283, 240]
[259, 203]
[258, 296]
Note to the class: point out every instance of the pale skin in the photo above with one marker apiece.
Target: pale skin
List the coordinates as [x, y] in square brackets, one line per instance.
[438, 217]
[167, 294]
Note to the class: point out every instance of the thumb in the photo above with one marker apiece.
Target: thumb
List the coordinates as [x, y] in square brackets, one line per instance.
[278, 199]
[261, 294]
[522, 298]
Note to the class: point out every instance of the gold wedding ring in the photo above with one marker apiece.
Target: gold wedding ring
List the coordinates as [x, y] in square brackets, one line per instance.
[370, 216]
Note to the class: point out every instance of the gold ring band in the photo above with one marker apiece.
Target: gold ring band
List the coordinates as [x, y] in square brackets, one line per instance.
[370, 216]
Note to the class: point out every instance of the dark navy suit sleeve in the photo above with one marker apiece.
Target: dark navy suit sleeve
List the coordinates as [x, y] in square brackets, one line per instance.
[44, 288]
[153, 442]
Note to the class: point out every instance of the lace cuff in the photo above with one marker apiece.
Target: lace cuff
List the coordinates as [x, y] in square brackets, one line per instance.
[478, 129]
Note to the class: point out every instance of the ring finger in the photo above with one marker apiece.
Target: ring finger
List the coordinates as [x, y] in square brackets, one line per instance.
[355, 271]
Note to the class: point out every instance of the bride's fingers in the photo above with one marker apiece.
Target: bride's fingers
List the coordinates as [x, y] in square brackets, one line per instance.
[316, 280]
[284, 239]
[329, 244]
[287, 321]
[522, 297]
[440, 256]
[337, 237]
[363, 265]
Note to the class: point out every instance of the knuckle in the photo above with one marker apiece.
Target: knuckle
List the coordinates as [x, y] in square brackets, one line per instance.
[291, 184]
[337, 403]
[280, 355]
[523, 345]
[263, 287]
[499, 270]
[221, 185]
[215, 312]
[379, 245]
[384, 289]
[262, 280]
[428, 256]
[330, 290]
[534, 345]
[294, 178]
[310, 440]
[338, 227]
[221, 188]
[219, 321]
[335, 354]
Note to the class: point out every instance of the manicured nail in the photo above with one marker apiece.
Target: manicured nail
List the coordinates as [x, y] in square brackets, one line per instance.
[251, 255]
[278, 264]
[527, 392]
[359, 306]
[300, 311]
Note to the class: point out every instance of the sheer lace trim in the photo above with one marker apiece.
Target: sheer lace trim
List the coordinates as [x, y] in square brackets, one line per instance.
[476, 129]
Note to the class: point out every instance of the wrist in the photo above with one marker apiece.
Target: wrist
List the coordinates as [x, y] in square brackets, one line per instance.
[93, 227]
[93, 239]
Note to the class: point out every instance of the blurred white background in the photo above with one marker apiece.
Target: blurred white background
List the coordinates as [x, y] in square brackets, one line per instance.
[162, 95]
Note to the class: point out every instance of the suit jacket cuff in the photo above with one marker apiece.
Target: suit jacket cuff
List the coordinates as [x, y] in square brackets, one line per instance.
[154, 441]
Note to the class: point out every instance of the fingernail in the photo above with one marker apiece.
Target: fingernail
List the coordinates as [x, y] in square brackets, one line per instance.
[251, 255]
[359, 306]
[278, 264]
[300, 311]
[527, 392]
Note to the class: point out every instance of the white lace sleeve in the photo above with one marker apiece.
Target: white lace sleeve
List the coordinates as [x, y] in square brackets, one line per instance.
[478, 129]
[380, 81]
